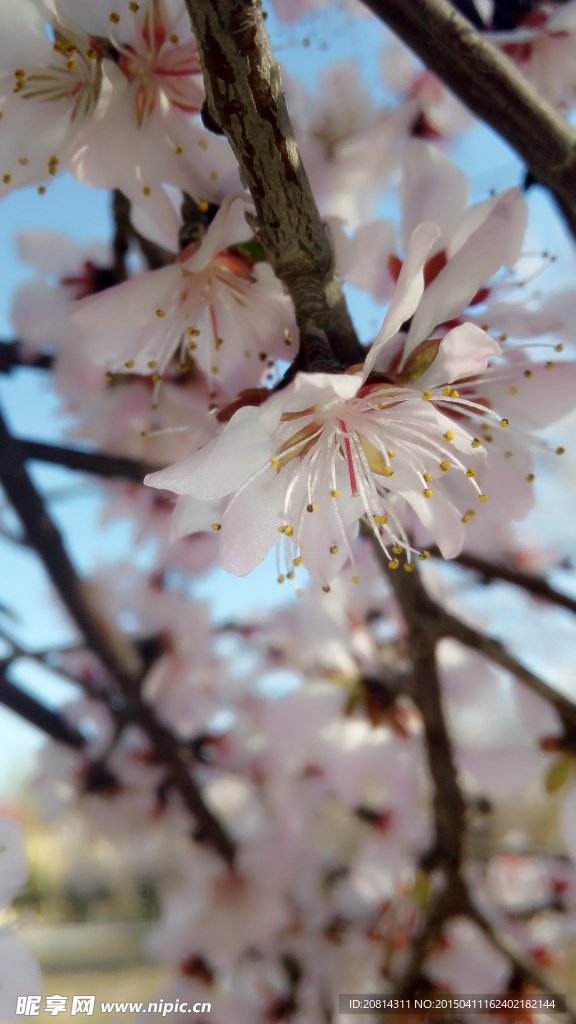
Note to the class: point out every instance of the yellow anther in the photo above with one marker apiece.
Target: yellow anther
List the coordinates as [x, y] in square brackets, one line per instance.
[290, 575]
[311, 507]
[262, 356]
[6, 178]
[179, 149]
[448, 436]
[274, 462]
[427, 492]
[326, 588]
[114, 17]
[146, 190]
[334, 494]
[424, 555]
[156, 378]
[504, 423]
[174, 38]
[133, 6]
[280, 578]
[393, 564]
[482, 497]
[444, 466]
[530, 478]
[152, 364]
[549, 365]
[427, 394]
[471, 471]
[381, 520]
[288, 340]
[19, 73]
[213, 175]
[454, 393]
[215, 369]
[408, 567]
[23, 160]
[391, 453]
[334, 549]
[192, 331]
[504, 337]
[485, 426]
[560, 451]
[447, 391]
[397, 549]
[379, 405]
[203, 206]
[387, 471]
[299, 560]
[288, 531]
[513, 390]
[192, 345]
[108, 375]
[203, 143]
[354, 579]
[528, 374]
[41, 190]
[218, 342]
[489, 438]
[215, 526]
[428, 476]
[160, 312]
[70, 64]
[129, 364]
[559, 348]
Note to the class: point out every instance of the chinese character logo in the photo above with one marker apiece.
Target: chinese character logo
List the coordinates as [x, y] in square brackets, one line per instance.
[83, 1004]
[29, 1005]
[55, 1004]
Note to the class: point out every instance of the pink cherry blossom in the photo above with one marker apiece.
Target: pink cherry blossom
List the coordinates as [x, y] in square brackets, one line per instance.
[214, 303]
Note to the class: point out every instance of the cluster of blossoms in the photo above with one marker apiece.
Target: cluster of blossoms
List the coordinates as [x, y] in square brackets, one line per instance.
[299, 727]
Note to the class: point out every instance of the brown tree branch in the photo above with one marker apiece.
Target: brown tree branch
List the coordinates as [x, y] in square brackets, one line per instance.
[427, 623]
[532, 583]
[244, 97]
[115, 651]
[490, 85]
[497, 652]
[112, 647]
[97, 463]
[13, 354]
[27, 707]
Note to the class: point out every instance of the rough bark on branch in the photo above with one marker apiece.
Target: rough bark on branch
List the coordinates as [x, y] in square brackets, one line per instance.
[244, 97]
[490, 85]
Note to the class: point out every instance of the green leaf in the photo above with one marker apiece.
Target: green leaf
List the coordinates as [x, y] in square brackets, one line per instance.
[252, 248]
[557, 775]
[420, 360]
[421, 890]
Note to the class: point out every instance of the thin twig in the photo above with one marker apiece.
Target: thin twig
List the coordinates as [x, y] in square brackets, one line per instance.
[27, 707]
[535, 585]
[113, 649]
[13, 354]
[97, 463]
